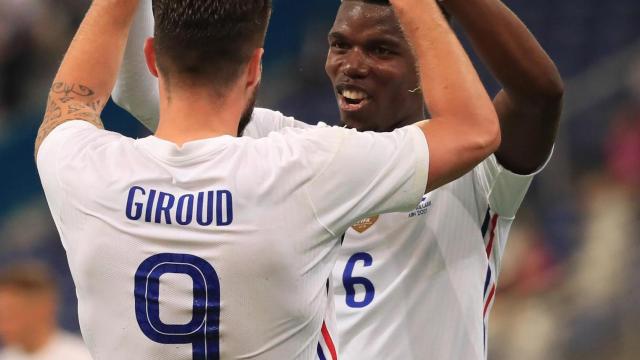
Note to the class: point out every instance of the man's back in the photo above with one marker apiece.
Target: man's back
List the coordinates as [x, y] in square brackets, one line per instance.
[207, 55]
[219, 246]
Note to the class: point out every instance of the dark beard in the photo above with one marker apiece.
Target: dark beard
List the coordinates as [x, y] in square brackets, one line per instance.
[247, 114]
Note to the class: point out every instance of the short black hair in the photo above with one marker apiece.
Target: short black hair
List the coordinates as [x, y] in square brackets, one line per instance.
[208, 40]
[387, 3]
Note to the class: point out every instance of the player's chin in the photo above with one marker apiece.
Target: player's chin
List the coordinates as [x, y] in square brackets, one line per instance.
[359, 120]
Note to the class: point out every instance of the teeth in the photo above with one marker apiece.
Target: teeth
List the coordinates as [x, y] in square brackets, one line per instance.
[354, 94]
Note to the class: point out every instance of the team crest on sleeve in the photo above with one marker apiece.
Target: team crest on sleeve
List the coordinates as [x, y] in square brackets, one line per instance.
[364, 224]
[422, 208]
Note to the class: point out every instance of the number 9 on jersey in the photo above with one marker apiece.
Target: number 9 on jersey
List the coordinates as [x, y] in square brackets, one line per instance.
[203, 329]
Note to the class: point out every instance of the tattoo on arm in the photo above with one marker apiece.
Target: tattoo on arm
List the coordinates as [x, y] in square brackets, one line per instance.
[69, 102]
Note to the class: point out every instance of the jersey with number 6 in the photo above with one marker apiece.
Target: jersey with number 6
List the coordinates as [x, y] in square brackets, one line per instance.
[420, 284]
[220, 248]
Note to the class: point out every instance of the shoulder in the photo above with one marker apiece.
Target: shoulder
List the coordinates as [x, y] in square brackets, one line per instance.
[76, 145]
[264, 121]
[77, 133]
[74, 139]
[305, 144]
[264, 113]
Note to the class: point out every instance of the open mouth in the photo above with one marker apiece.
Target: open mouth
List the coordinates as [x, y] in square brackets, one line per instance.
[352, 99]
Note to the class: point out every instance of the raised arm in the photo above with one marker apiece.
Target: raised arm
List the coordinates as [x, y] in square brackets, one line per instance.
[464, 127]
[136, 89]
[530, 104]
[88, 71]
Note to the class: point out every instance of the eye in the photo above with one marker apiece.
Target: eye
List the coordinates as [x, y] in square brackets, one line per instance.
[339, 45]
[382, 51]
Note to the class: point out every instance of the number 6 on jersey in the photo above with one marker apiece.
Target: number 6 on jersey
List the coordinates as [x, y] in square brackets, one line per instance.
[202, 330]
[349, 281]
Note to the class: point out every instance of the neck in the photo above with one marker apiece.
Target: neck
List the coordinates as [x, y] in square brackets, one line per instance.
[408, 120]
[196, 114]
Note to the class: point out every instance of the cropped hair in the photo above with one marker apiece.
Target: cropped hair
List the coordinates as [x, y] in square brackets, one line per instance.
[387, 3]
[208, 40]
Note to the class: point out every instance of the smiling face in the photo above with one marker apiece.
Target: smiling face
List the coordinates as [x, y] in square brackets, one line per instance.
[372, 69]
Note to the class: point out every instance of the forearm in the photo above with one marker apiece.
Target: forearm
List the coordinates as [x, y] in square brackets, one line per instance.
[95, 53]
[88, 71]
[450, 85]
[530, 104]
[464, 126]
[136, 89]
[508, 48]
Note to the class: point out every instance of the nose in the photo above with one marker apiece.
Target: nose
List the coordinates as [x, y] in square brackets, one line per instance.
[355, 65]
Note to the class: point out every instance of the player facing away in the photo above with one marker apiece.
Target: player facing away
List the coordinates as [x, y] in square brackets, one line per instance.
[196, 244]
[418, 284]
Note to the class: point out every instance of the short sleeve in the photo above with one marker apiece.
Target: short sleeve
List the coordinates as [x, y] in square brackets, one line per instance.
[265, 121]
[66, 144]
[367, 174]
[503, 189]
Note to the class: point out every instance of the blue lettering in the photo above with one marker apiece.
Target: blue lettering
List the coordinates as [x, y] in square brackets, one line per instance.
[130, 204]
[161, 207]
[164, 208]
[152, 197]
[181, 218]
[200, 210]
[219, 203]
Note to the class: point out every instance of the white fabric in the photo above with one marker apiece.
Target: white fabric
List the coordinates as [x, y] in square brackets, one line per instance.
[264, 122]
[290, 192]
[136, 90]
[428, 269]
[61, 346]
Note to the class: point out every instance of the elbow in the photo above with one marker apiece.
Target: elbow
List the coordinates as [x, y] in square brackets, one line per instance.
[479, 138]
[549, 91]
[544, 91]
[491, 137]
[494, 140]
[488, 136]
[553, 90]
[482, 130]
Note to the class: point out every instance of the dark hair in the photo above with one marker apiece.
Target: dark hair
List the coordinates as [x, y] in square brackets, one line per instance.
[32, 277]
[208, 40]
[387, 3]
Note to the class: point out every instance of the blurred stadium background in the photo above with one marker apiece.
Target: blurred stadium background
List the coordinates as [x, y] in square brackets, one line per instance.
[570, 284]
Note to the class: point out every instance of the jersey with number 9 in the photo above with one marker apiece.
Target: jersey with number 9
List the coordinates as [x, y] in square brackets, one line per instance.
[220, 248]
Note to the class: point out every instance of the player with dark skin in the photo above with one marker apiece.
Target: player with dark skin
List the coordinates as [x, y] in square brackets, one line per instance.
[372, 69]
[374, 74]
[377, 86]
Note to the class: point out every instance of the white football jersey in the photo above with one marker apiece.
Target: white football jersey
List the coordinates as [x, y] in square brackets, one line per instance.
[221, 248]
[420, 284]
[399, 274]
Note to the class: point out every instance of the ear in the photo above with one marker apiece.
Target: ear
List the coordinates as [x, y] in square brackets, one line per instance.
[150, 56]
[254, 70]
